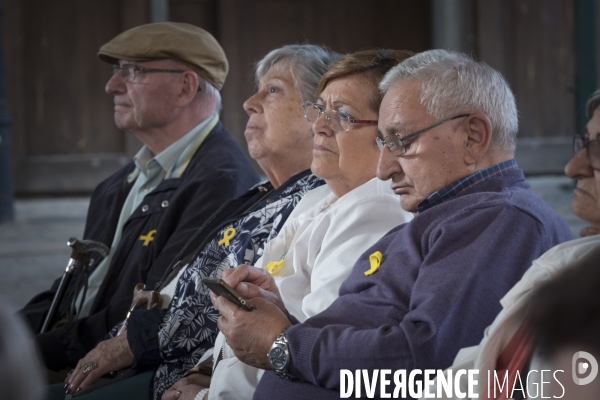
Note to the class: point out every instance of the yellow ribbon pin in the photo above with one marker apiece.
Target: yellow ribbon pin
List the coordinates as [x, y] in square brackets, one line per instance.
[227, 236]
[148, 237]
[375, 260]
[274, 266]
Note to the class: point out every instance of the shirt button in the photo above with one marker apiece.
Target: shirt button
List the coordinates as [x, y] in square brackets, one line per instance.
[145, 208]
[165, 204]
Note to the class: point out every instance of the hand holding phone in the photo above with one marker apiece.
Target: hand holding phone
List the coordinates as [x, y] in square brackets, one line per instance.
[220, 288]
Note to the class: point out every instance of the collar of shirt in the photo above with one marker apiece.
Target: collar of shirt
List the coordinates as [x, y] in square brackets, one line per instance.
[452, 190]
[170, 158]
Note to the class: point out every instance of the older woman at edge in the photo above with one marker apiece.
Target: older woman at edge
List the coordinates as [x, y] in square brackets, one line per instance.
[507, 343]
[315, 251]
[280, 140]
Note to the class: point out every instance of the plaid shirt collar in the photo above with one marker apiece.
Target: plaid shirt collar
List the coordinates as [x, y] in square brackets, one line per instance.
[455, 188]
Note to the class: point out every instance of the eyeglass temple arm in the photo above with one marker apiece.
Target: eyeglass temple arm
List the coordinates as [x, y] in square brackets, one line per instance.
[431, 127]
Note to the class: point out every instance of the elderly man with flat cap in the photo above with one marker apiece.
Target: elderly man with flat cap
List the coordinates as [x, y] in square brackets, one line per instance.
[431, 286]
[165, 84]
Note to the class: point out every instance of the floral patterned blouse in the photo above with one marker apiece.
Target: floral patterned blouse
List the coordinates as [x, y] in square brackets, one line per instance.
[189, 327]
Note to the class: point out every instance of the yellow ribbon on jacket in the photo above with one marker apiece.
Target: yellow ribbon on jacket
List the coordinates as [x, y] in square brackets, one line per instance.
[227, 236]
[147, 238]
[274, 266]
[375, 260]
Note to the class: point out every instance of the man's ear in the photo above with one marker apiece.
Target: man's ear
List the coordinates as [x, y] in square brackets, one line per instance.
[189, 88]
[478, 137]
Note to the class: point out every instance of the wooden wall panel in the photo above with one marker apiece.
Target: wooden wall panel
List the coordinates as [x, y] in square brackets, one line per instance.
[12, 21]
[248, 30]
[532, 43]
[202, 13]
[67, 108]
[63, 119]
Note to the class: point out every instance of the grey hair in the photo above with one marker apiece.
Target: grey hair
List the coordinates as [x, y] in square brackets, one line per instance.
[212, 92]
[454, 83]
[307, 63]
[592, 104]
[21, 375]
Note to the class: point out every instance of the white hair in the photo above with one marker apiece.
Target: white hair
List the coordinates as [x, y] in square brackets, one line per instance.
[454, 83]
[213, 93]
[307, 64]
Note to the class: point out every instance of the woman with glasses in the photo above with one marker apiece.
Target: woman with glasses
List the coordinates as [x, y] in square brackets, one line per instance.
[317, 247]
[508, 344]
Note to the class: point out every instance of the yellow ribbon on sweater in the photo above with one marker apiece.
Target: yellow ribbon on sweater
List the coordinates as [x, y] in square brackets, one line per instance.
[375, 260]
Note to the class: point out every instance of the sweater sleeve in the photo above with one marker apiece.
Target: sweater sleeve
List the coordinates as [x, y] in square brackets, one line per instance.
[419, 313]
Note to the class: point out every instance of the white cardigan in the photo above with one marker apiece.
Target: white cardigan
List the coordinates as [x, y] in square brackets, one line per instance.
[514, 306]
[325, 236]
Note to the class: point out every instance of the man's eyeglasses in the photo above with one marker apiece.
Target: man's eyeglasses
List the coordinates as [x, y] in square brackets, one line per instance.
[337, 120]
[134, 73]
[593, 150]
[396, 144]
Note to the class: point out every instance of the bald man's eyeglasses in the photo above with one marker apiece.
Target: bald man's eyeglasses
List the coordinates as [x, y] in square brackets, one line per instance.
[593, 150]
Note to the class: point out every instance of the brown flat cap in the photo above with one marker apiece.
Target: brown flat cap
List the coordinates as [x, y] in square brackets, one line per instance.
[187, 43]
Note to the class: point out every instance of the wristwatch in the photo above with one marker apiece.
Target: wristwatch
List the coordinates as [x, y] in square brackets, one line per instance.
[279, 356]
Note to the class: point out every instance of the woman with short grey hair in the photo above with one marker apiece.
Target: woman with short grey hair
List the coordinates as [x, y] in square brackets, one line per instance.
[306, 63]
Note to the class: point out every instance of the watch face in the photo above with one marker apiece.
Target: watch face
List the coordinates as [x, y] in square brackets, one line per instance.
[278, 358]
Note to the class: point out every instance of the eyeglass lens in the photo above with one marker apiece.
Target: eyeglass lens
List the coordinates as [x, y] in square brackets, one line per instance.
[128, 70]
[593, 150]
[334, 119]
[393, 143]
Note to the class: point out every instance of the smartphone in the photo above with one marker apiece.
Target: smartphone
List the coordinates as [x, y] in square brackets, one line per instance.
[220, 288]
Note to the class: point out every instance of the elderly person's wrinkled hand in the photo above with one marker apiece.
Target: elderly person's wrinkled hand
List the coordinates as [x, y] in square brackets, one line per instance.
[250, 334]
[188, 387]
[251, 282]
[110, 355]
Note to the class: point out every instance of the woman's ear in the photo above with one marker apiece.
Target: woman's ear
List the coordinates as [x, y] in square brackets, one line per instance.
[478, 137]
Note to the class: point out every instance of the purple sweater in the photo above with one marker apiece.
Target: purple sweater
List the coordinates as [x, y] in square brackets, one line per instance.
[437, 289]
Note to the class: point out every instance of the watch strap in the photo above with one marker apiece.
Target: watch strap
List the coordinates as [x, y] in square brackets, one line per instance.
[282, 341]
